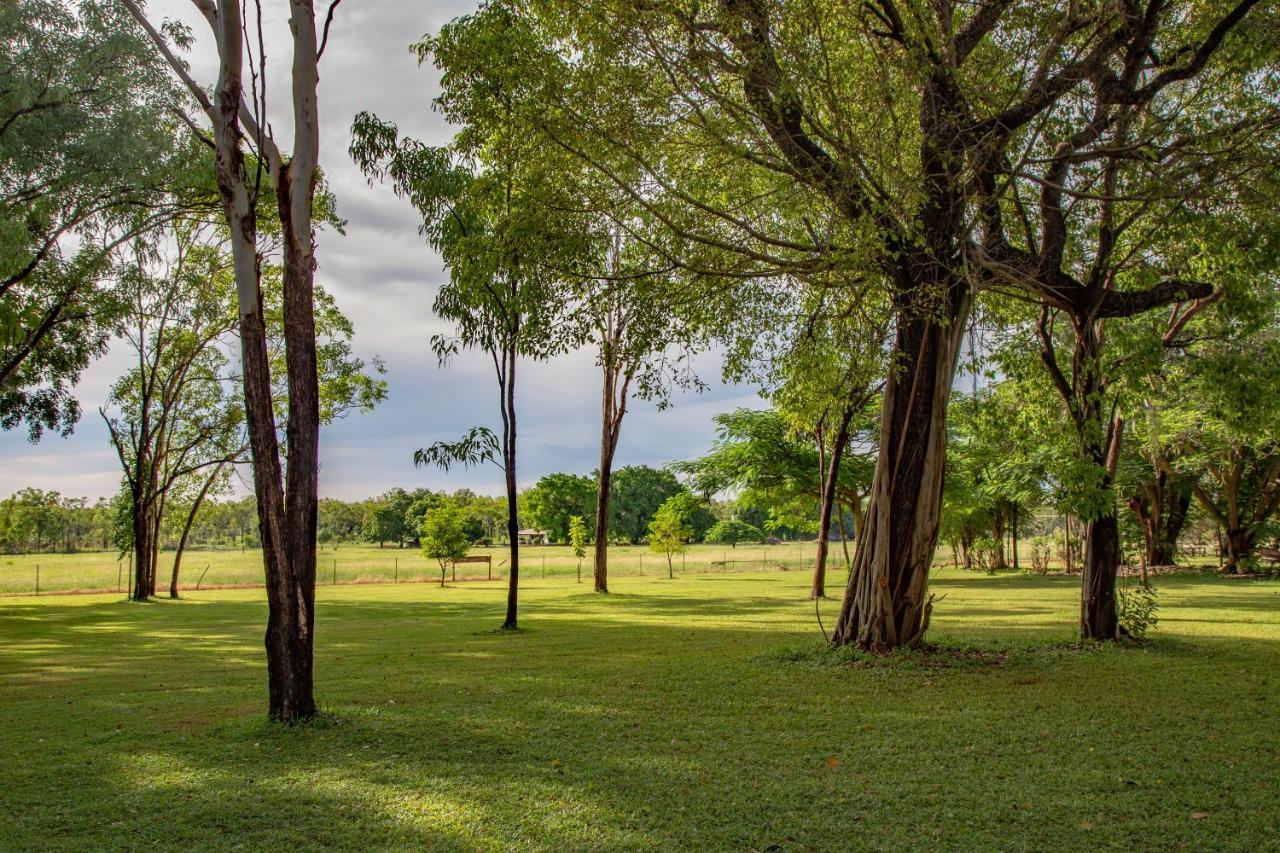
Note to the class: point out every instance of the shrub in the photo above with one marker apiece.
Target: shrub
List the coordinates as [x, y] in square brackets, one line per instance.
[986, 554]
[1136, 609]
[1041, 550]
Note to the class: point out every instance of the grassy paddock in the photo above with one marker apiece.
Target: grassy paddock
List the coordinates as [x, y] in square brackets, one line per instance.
[100, 570]
[686, 714]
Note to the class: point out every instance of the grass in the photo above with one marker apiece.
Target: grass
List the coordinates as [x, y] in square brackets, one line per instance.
[693, 714]
[103, 570]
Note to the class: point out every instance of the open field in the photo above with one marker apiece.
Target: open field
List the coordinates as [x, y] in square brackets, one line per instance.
[346, 564]
[672, 715]
[101, 570]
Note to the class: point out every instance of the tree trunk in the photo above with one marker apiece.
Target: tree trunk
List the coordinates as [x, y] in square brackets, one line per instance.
[997, 535]
[829, 481]
[513, 523]
[157, 517]
[142, 546]
[1013, 530]
[1178, 505]
[886, 604]
[1240, 543]
[601, 569]
[612, 411]
[1098, 620]
[186, 528]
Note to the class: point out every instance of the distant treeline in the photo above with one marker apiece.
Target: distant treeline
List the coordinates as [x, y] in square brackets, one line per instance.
[33, 520]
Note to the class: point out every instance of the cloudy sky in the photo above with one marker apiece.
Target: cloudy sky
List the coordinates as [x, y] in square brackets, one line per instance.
[384, 278]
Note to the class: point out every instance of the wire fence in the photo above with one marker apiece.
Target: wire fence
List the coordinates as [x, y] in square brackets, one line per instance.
[45, 574]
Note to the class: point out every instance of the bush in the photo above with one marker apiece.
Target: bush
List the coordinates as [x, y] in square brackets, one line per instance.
[1136, 609]
[1041, 550]
[732, 531]
[986, 554]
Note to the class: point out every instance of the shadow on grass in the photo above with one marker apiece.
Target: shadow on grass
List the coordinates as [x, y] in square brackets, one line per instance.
[616, 722]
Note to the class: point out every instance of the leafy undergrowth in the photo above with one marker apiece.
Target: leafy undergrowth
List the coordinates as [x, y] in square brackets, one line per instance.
[700, 713]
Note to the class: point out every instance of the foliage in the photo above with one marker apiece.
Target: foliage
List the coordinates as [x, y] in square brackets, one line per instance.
[731, 531]
[444, 539]
[636, 492]
[578, 536]
[558, 498]
[1041, 550]
[669, 531]
[1137, 608]
[90, 157]
[386, 519]
[768, 464]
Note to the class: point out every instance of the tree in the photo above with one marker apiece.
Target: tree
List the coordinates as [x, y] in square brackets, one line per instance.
[578, 541]
[493, 204]
[877, 143]
[443, 537]
[730, 531]
[669, 531]
[1220, 412]
[993, 455]
[637, 492]
[286, 499]
[1100, 233]
[89, 160]
[174, 416]
[177, 421]
[385, 519]
[556, 499]
[644, 346]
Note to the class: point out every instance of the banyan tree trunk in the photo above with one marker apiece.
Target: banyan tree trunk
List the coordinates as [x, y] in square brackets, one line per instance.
[1098, 620]
[886, 603]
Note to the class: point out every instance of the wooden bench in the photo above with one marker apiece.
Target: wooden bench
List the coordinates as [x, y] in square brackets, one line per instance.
[485, 559]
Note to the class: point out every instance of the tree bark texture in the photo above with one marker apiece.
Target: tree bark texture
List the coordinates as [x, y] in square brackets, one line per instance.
[886, 603]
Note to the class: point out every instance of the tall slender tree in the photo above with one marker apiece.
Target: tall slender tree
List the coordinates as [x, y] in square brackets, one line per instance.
[495, 206]
[286, 497]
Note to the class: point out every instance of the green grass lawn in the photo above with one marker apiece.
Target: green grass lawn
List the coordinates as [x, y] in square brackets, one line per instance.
[671, 715]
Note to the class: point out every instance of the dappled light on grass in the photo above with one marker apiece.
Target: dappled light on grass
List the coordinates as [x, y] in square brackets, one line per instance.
[663, 715]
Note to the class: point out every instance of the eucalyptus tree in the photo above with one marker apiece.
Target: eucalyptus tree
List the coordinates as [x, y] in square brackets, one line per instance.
[247, 159]
[173, 412]
[176, 419]
[89, 159]
[631, 312]
[495, 206]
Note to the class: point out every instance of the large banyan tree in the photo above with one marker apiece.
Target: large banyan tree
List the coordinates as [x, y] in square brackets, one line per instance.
[889, 145]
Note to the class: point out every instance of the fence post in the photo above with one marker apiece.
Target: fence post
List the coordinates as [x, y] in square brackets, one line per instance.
[119, 575]
[544, 566]
[397, 577]
[37, 578]
[642, 564]
[335, 571]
